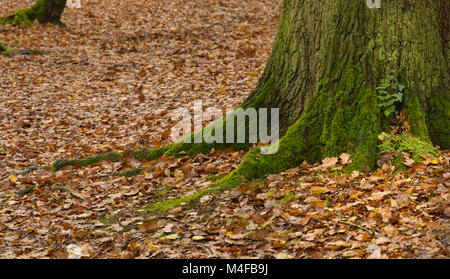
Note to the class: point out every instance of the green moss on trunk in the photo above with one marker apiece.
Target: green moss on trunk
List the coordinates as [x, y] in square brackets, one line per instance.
[326, 63]
[6, 51]
[43, 10]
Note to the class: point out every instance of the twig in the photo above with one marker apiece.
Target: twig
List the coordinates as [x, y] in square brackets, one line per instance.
[25, 191]
[357, 226]
[174, 219]
[64, 189]
[204, 246]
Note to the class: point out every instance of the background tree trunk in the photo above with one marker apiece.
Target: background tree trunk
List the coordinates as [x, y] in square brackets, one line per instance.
[43, 10]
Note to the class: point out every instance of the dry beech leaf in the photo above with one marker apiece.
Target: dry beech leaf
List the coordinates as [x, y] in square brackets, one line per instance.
[149, 226]
[345, 158]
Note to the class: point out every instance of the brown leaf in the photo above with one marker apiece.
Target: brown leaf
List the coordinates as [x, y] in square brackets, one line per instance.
[179, 175]
[149, 226]
[329, 162]
[345, 158]
[317, 191]
[379, 195]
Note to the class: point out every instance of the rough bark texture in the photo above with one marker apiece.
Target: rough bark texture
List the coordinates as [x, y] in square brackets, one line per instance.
[329, 57]
[327, 61]
[43, 10]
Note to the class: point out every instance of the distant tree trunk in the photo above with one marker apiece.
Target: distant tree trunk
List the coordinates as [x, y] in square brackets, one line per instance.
[43, 10]
[4, 50]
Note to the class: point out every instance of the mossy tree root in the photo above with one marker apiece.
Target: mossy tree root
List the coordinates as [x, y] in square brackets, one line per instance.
[328, 127]
[43, 10]
[6, 51]
[20, 16]
[254, 165]
[179, 149]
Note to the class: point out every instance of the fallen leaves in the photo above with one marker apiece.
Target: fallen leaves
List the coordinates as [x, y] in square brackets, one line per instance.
[13, 179]
[149, 226]
[379, 195]
[317, 191]
[169, 237]
[117, 93]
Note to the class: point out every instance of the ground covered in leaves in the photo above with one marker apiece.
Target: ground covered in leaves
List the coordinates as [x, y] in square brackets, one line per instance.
[109, 82]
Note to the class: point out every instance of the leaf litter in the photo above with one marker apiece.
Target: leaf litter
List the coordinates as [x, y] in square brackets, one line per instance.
[109, 81]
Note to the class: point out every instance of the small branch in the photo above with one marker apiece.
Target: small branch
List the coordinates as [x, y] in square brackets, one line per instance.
[204, 246]
[174, 219]
[357, 226]
[63, 189]
[25, 191]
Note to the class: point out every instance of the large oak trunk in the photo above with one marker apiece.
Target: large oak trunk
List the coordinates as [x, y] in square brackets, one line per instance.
[333, 72]
[327, 61]
[324, 74]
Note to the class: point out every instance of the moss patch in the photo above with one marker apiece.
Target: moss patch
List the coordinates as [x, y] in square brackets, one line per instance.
[112, 156]
[20, 16]
[6, 51]
[413, 146]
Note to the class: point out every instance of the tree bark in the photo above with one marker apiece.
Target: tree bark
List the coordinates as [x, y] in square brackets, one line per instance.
[329, 64]
[324, 73]
[43, 10]
[327, 61]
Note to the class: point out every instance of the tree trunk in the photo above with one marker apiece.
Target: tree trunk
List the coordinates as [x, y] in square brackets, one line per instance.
[43, 10]
[340, 73]
[324, 74]
[329, 58]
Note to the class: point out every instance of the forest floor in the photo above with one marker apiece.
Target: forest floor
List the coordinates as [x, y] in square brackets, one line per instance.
[109, 81]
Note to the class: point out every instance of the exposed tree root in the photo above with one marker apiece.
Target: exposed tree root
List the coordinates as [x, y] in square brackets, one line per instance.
[6, 51]
[30, 189]
[126, 174]
[111, 156]
[58, 165]
[9, 52]
[254, 165]
[63, 189]
[179, 149]
[20, 16]
[172, 150]
[30, 52]
[26, 191]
